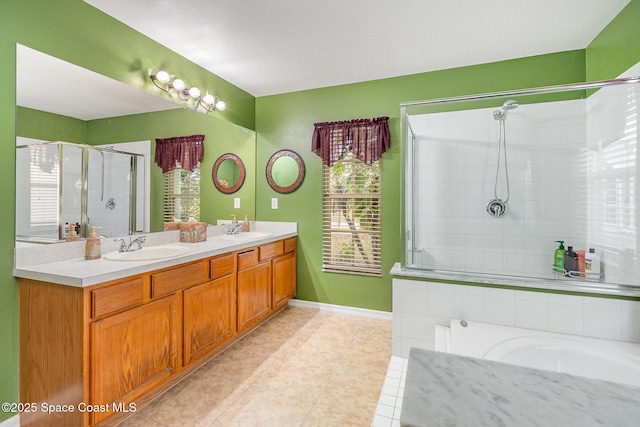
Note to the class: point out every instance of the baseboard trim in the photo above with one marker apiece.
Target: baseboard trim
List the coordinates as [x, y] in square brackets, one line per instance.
[11, 422]
[342, 309]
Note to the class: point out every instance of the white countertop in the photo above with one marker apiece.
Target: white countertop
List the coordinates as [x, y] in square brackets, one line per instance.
[444, 389]
[64, 263]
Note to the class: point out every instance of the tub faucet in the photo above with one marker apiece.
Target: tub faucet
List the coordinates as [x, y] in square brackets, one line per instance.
[134, 245]
[232, 228]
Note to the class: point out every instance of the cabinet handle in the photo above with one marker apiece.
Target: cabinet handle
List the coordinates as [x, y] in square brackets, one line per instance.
[246, 252]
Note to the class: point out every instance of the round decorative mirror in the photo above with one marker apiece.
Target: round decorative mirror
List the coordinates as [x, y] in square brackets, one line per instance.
[285, 171]
[228, 173]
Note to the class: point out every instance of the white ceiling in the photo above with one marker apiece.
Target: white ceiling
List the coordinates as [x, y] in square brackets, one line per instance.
[279, 46]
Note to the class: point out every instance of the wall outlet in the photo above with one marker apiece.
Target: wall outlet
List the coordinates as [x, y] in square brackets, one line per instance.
[236, 202]
[274, 203]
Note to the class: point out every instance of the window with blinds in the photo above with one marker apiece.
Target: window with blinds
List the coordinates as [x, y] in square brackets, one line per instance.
[351, 238]
[181, 194]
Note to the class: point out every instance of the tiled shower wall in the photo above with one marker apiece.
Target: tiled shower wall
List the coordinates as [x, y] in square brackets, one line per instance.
[457, 159]
[418, 306]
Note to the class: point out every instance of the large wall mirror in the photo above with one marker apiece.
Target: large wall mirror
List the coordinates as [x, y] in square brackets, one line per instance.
[228, 173]
[285, 171]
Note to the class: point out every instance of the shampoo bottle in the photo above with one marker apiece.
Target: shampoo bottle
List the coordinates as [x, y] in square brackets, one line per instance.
[558, 258]
[592, 265]
[245, 224]
[92, 247]
[570, 261]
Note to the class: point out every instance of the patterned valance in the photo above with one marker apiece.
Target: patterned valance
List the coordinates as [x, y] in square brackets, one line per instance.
[186, 150]
[366, 138]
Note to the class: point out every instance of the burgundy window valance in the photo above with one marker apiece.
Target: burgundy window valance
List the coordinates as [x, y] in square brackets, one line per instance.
[366, 138]
[186, 150]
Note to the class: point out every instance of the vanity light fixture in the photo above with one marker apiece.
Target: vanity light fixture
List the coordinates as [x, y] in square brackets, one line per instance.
[168, 82]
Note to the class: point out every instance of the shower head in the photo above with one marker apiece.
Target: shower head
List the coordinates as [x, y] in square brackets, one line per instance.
[508, 105]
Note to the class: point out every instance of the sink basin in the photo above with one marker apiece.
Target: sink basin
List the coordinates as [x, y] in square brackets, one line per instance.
[247, 235]
[148, 253]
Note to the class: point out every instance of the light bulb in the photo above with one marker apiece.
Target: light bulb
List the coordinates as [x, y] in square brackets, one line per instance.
[178, 84]
[194, 92]
[221, 105]
[163, 77]
[209, 99]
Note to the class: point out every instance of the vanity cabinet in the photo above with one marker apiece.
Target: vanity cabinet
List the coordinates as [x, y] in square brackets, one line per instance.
[212, 310]
[254, 288]
[134, 351]
[123, 342]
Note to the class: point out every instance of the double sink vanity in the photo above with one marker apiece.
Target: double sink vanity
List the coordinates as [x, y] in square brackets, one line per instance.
[100, 338]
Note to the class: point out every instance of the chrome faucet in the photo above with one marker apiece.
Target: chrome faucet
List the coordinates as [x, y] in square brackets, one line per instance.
[134, 245]
[232, 228]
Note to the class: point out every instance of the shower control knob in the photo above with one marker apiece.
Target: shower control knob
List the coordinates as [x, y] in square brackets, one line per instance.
[496, 208]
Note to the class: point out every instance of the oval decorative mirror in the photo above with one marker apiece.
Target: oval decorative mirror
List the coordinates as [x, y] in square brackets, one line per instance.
[285, 171]
[228, 173]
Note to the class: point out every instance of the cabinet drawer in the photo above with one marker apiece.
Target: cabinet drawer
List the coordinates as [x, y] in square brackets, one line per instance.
[247, 259]
[289, 245]
[271, 250]
[117, 297]
[169, 281]
[222, 266]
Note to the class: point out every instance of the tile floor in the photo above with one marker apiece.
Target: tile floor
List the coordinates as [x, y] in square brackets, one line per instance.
[304, 367]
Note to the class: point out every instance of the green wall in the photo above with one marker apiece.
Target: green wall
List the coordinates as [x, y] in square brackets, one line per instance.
[286, 121]
[76, 32]
[49, 127]
[220, 137]
[617, 47]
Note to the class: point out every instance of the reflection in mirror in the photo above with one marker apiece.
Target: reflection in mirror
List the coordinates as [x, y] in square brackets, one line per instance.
[74, 92]
[61, 185]
[228, 173]
[285, 171]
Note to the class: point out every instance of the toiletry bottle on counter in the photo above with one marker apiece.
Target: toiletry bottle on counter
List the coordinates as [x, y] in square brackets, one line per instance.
[570, 261]
[245, 224]
[558, 258]
[234, 220]
[92, 247]
[592, 265]
[72, 236]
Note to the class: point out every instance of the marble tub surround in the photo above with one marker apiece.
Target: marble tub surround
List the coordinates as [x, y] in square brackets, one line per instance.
[444, 389]
[568, 285]
[64, 263]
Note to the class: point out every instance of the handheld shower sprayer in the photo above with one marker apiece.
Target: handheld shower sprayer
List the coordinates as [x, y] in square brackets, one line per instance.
[498, 207]
[508, 105]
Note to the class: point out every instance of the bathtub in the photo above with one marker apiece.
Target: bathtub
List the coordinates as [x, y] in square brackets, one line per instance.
[587, 357]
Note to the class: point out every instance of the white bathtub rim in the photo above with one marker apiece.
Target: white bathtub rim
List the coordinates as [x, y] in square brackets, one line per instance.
[504, 342]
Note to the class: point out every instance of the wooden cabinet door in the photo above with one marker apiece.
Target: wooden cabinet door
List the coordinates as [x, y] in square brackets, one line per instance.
[254, 294]
[284, 279]
[209, 316]
[134, 351]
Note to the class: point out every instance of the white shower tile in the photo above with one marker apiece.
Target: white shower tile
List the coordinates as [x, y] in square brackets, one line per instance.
[414, 326]
[469, 307]
[499, 311]
[566, 319]
[602, 322]
[440, 304]
[531, 314]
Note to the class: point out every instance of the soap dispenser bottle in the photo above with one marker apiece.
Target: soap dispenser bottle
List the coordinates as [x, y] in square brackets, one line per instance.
[558, 258]
[92, 246]
[72, 236]
[234, 220]
[245, 224]
[570, 261]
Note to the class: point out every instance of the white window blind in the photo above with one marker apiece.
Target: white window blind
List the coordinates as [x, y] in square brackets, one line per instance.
[181, 194]
[351, 203]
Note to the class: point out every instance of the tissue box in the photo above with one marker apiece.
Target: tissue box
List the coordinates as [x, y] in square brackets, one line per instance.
[174, 225]
[193, 232]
